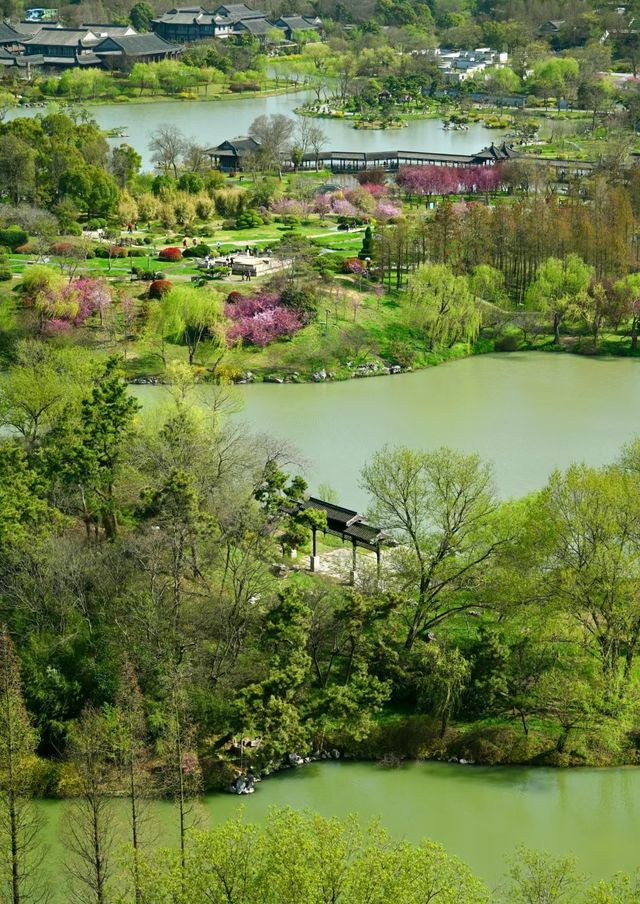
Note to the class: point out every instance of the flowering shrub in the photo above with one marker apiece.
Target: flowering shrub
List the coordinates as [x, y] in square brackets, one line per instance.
[289, 207]
[259, 319]
[160, 287]
[386, 211]
[361, 200]
[375, 189]
[173, 255]
[322, 205]
[353, 265]
[62, 306]
[344, 209]
[447, 180]
[56, 326]
[93, 297]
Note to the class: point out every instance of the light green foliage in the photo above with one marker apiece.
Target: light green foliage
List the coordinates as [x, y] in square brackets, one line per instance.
[445, 680]
[442, 306]
[558, 286]
[538, 878]
[556, 75]
[300, 857]
[43, 385]
[592, 567]
[440, 505]
[488, 284]
[621, 890]
[193, 316]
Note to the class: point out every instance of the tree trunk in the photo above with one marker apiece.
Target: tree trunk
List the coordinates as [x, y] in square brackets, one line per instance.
[15, 859]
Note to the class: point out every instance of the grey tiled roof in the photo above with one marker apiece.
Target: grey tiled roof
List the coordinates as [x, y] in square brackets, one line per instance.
[139, 45]
[8, 35]
[297, 23]
[62, 37]
[255, 26]
[105, 28]
[240, 11]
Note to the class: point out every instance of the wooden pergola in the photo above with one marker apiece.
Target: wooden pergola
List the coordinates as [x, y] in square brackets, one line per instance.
[351, 527]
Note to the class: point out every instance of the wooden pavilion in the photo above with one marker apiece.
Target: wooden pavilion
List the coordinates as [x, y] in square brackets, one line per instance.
[352, 528]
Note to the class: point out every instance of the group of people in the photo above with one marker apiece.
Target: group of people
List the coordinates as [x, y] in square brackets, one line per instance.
[254, 251]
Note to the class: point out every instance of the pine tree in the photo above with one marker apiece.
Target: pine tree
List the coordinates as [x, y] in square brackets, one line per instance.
[367, 245]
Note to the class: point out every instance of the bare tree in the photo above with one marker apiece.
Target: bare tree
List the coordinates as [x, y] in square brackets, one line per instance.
[309, 137]
[130, 749]
[167, 147]
[273, 134]
[89, 822]
[195, 158]
[20, 852]
[182, 776]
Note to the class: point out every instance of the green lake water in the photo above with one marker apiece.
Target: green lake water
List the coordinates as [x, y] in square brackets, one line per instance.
[480, 814]
[527, 413]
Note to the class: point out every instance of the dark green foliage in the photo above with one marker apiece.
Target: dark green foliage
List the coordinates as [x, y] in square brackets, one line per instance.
[199, 250]
[12, 237]
[248, 220]
[191, 182]
[367, 245]
[141, 15]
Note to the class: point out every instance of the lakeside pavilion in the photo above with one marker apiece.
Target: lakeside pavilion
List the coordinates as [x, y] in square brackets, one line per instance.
[350, 527]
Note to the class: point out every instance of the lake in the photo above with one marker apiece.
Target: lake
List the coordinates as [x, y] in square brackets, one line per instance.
[481, 814]
[527, 413]
[211, 122]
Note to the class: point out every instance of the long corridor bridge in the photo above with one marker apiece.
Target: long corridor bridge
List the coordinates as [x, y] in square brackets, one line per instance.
[232, 156]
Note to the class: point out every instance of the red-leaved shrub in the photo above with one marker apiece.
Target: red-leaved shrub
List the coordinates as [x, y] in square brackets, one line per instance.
[63, 249]
[160, 287]
[173, 255]
[118, 251]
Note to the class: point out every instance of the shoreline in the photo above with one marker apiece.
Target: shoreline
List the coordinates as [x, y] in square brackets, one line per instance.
[144, 100]
[361, 372]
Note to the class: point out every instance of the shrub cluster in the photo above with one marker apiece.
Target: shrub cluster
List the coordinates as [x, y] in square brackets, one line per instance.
[259, 319]
[172, 255]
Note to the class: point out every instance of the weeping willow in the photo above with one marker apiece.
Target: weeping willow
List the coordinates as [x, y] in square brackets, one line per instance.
[443, 306]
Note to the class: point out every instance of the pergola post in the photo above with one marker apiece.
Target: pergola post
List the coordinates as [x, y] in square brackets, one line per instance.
[378, 562]
[354, 563]
[314, 563]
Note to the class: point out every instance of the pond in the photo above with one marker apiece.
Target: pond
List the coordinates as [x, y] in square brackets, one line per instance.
[211, 122]
[527, 413]
[481, 814]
